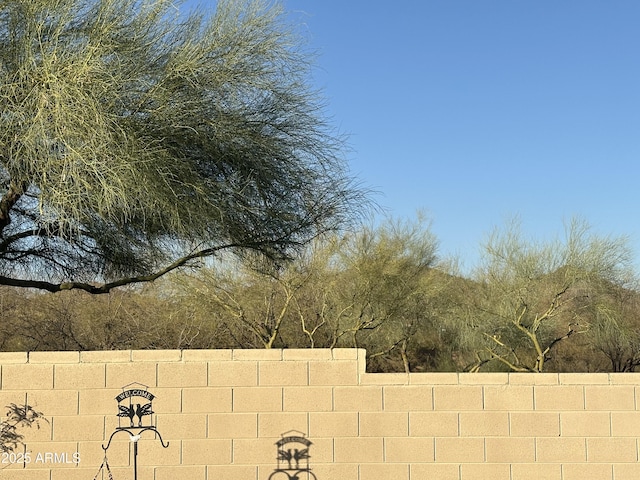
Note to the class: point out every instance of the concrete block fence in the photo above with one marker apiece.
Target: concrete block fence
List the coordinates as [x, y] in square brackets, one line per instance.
[222, 412]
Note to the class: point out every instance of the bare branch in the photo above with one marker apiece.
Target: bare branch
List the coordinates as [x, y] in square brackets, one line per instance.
[107, 287]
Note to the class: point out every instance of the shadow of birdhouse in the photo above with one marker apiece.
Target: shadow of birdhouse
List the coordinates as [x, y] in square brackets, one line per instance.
[293, 457]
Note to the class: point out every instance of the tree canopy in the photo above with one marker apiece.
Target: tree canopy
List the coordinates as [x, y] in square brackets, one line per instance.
[533, 295]
[135, 138]
[570, 303]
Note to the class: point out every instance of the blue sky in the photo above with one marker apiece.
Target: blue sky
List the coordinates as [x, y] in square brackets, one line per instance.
[478, 110]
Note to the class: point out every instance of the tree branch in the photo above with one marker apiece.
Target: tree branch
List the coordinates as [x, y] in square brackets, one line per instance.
[107, 287]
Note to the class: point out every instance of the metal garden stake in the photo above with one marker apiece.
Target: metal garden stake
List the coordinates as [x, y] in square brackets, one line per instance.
[135, 406]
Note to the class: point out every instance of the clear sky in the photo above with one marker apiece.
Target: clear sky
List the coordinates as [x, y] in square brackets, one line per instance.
[478, 110]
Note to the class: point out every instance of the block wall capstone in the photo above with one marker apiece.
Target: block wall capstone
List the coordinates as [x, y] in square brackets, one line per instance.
[223, 413]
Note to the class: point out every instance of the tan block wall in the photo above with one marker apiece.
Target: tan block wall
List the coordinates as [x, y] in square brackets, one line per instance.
[223, 410]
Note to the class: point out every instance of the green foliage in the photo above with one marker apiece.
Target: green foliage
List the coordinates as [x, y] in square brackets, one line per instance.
[384, 289]
[562, 305]
[531, 296]
[372, 288]
[145, 318]
[135, 138]
[614, 326]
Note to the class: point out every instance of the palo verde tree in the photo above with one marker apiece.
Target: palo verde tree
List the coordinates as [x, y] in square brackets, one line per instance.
[383, 300]
[135, 139]
[533, 295]
[614, 325]
[373, 288]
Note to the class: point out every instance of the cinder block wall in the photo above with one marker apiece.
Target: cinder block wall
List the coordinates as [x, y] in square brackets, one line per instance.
[223, 410]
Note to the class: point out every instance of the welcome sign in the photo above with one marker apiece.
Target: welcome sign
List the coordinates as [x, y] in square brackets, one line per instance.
[131, 405]
[136, 392]
[133, 410]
